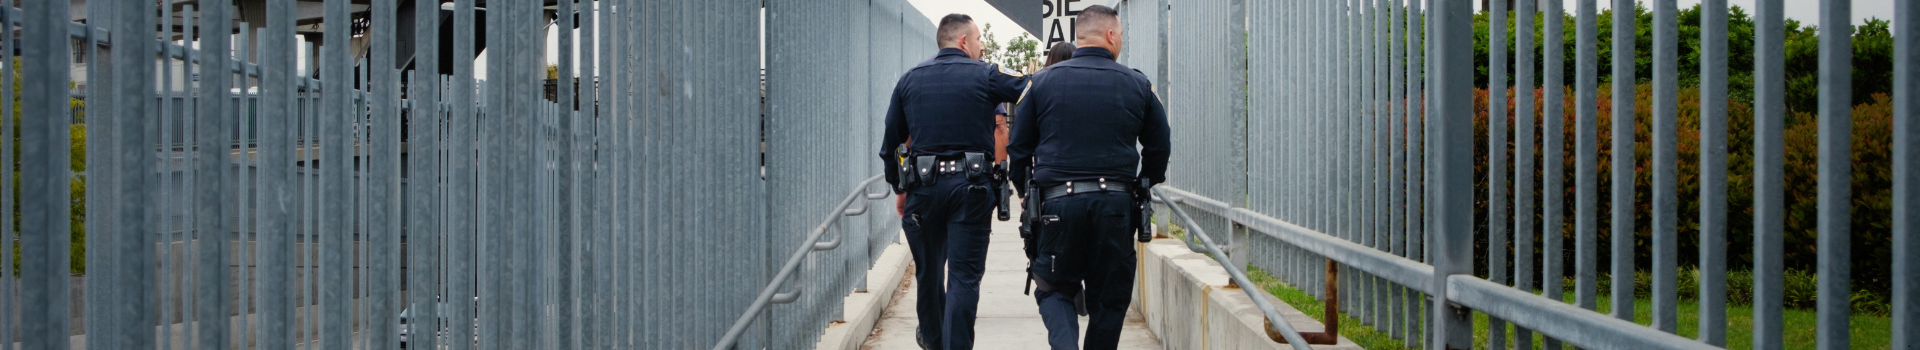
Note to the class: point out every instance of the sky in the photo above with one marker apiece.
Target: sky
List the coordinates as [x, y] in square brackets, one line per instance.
[1805, 11]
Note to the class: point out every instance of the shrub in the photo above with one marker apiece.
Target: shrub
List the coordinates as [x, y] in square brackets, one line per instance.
[1871, 184]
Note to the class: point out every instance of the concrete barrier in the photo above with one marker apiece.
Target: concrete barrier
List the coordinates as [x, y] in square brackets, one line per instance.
[1187, 303]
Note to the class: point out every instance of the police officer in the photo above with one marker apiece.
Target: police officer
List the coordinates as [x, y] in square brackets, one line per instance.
[944, 105]
[1077, 126]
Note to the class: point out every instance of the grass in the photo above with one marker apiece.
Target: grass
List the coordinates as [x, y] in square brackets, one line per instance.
[1867, 331]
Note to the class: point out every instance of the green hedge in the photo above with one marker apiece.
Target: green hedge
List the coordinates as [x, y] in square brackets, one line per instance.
[1872, 54]
[1871, 184]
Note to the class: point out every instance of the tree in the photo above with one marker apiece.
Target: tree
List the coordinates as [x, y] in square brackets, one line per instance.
[1016, 54]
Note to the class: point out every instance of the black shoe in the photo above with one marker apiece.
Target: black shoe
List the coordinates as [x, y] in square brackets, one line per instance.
[919, 338]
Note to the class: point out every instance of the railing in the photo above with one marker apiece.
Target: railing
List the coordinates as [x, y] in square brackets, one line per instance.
[241, 204]
[1353, 138]
[1275, 322]
[771, 293]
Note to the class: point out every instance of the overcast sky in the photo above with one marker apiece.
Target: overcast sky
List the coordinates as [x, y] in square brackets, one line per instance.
[1805, 11]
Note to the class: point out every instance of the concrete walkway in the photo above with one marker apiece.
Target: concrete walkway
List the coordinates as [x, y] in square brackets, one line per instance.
[1007, 319]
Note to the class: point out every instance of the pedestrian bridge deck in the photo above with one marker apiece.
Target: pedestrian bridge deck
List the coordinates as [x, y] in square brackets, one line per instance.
[1007, 318]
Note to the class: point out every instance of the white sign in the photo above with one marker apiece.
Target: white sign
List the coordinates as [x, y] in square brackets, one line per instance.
[1056, 19]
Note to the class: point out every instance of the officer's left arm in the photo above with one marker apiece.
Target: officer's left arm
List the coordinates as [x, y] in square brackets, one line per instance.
[1155, 140]
[1004, 85]
[1022, 140]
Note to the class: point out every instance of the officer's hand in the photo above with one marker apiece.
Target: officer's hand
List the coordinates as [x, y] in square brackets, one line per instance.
[900, 204]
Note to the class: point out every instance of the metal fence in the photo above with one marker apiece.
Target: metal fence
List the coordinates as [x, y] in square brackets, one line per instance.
[1356, 143]
[270, 206]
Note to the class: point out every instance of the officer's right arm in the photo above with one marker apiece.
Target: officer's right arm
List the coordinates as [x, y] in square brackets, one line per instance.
[894, 134]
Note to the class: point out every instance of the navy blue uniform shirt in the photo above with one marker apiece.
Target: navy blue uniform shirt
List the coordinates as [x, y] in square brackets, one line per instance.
[946, 105]
[1081, 118]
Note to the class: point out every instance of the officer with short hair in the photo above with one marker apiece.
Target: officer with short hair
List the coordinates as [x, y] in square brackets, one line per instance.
[1076, 126]
[944, 105]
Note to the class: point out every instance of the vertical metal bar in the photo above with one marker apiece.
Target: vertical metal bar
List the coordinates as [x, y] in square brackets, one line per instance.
[1376, 22]
[9, 276]
[1497, 159]
[131, 240]
[212, 198]
[103, 270]
[608, 148]
[423, 177]
[461, 175]
[493, 300]
[277, 239]
[1452, 170]
[525, 70]
[1416, 157]
[1348, 118]
[336, 107]
[1622, 230]
[309, 210]
[362, 199]
[382, 178]
[1552, 145]
[1906, 247]
[166, 268]
[1666, 251]
[1397, 111]
[1523, 114]
[1836, 154]
[242, 162]
[44, 176]
[592, 310]
[304, 326]
[1383, 157]
[1585, 158]
[189, 246]
[1713, 173]
[566, 197]
[1769, 117]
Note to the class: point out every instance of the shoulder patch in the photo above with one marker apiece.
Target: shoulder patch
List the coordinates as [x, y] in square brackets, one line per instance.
[1005, 70]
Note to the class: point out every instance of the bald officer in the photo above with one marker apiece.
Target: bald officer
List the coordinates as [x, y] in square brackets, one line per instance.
[944, 105]
[1077, 127]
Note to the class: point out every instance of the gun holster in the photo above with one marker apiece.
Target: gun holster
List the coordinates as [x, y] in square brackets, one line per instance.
[908, 178]
[1143, 211]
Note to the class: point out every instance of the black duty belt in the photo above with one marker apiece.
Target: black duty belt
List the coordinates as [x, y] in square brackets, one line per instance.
[1074, 187]
[949, 167]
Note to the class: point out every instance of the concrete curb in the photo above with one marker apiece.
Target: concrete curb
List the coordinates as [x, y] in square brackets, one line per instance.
[1187, 303]
[863, 309]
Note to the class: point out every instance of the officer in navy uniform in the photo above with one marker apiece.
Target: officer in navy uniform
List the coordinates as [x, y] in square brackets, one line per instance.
[945, 105]
[1076, 126]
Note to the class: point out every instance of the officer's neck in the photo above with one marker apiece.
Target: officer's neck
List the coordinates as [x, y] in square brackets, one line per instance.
[1092, 49]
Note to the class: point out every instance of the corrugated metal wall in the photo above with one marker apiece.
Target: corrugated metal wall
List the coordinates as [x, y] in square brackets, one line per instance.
[642, 207]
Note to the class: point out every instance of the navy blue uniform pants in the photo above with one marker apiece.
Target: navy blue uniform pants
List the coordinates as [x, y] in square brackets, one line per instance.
[1091, 250]
[947, 230]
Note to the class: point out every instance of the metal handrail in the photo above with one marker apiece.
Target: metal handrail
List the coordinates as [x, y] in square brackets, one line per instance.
[770, 294]
[1274, 321]
[1581, 327]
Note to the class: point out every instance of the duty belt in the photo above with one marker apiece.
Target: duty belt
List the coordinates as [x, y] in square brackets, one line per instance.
[1074, 187]
[949, 167]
